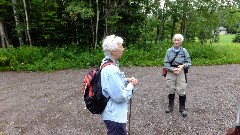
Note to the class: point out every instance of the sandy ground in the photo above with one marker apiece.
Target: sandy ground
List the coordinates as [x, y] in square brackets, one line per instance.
[51, 103]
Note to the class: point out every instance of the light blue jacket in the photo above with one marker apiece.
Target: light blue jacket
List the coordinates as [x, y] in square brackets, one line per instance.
[115, 85]
[182, 58]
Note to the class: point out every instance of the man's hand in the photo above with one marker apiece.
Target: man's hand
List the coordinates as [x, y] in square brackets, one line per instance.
[175, 70]
[181, 67]
[178, 69]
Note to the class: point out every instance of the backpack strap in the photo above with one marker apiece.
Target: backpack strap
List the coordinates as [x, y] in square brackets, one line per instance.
[109, 62]
[174, 57]
[181, 50]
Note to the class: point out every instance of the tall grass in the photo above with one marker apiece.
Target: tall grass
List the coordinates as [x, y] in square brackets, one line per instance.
[46, 59]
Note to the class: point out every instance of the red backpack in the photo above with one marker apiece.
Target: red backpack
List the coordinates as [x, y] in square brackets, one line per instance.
[94, 100]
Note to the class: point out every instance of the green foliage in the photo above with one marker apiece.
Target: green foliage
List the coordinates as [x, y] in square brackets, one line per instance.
[223, 52]
[237, 38]
[79, 10]
[3, 4]
[27, 58]
[203, 52]
[226, 53]
[150, 55]
[4, 59]
[61, 22]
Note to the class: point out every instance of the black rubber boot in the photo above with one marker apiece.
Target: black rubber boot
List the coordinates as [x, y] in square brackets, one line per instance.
[182, 110]
[171, 103]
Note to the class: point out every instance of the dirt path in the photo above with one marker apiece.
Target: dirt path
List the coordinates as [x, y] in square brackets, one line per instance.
[51, 103]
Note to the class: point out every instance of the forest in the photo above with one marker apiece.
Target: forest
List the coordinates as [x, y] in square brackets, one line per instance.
[80, 26]
[86, 22]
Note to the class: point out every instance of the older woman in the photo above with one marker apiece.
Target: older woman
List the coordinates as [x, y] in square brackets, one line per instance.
[176, 60]
[116, 87]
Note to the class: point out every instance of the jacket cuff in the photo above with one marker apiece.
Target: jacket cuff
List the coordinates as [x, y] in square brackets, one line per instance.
[129, 87]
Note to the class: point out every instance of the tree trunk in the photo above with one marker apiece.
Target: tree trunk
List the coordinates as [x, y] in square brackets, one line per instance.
[106, 13]
[183, 22]
[3, 35]
[96, 29]
[157, 34]
[26, 15]
[163, 19]
[173, 27]
[20, 38]
[92, 27]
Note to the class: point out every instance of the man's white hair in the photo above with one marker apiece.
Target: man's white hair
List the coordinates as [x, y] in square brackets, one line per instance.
[178, 36]
[110, 43]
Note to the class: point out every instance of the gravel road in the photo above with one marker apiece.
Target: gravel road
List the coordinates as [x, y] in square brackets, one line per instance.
[34, 103]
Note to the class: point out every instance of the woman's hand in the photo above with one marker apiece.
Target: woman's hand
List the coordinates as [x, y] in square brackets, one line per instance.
[133, 81]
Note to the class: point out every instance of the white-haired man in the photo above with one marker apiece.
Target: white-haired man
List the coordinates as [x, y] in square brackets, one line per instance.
[177, 61]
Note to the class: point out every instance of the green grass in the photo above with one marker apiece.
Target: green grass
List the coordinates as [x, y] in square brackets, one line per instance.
[225, 52]
[229, 50]
[226, 39]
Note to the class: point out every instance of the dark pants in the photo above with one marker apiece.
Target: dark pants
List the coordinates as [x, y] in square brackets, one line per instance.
[115, 128]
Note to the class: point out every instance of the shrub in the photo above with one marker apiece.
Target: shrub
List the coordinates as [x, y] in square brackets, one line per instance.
[237, 38]
[72, 57]
[4, 59]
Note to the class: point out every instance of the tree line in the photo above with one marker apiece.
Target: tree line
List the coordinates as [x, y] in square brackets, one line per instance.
[85, 22]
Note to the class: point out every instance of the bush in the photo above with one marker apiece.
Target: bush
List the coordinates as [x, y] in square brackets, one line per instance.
[237, 38]
[26, 58]
[4, 59]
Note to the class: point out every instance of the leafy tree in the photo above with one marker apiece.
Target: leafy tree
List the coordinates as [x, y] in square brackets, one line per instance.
[85, 22]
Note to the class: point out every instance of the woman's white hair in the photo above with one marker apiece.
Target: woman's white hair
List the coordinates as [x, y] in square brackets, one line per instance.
[178, 36]
[110, 43]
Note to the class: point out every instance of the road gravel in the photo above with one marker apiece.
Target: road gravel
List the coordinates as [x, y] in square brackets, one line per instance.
[36, 103]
